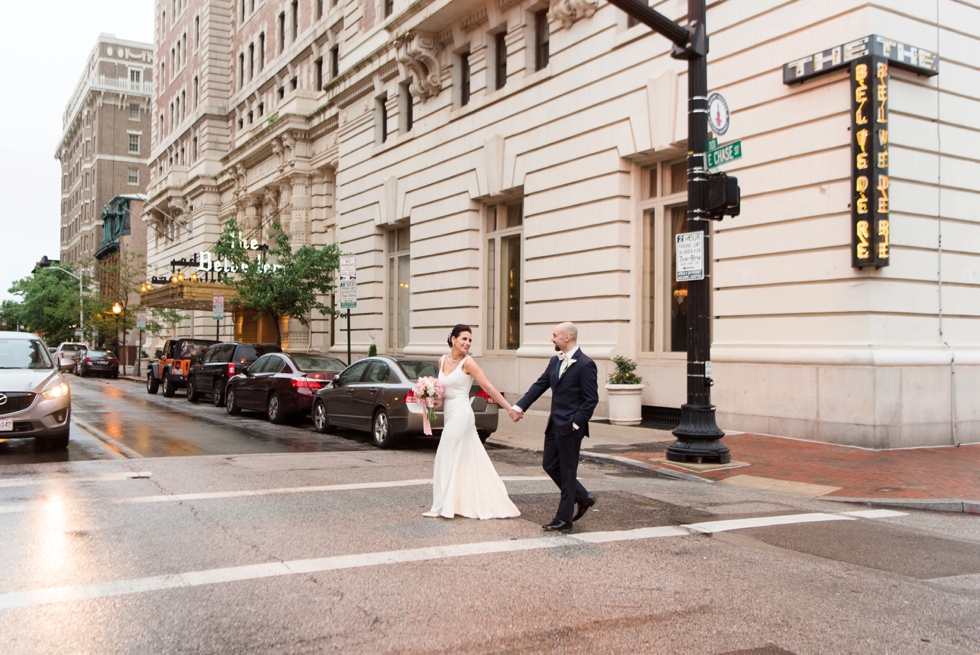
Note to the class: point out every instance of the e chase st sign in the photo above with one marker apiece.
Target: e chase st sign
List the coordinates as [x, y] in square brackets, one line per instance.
[870, 60]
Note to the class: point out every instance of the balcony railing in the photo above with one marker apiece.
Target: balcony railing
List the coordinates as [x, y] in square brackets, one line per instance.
[123, 84]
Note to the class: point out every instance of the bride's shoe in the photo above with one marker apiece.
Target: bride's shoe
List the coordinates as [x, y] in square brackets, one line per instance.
[431, 515]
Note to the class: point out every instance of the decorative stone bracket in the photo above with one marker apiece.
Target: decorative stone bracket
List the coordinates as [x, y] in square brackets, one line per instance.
[418, 57]
[569, 11]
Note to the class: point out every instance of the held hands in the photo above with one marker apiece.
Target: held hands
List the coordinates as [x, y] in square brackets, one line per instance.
[515, 415]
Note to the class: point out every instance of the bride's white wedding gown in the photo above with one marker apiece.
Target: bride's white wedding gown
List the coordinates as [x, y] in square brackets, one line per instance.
[464, 482]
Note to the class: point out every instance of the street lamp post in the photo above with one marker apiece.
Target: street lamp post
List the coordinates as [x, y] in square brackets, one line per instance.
[117, 310]
[698, 435]
[81, 312]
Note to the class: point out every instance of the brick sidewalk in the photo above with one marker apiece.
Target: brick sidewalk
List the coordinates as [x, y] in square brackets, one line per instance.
[926, 473]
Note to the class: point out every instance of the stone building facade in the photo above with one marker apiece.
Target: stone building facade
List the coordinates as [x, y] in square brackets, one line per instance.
[516, 163]
[106, 140]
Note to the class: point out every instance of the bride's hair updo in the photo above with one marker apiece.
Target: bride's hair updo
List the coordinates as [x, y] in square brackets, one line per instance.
[458, 330]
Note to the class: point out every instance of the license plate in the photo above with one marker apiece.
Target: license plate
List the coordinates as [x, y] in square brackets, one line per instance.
[101, 361]
[6, 425]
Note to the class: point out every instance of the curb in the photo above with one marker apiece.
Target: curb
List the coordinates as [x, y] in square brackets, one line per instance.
[929, 504]
[646, 467]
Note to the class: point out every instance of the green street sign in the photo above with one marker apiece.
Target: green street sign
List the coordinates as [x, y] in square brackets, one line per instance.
[712, 144]
[725, 154]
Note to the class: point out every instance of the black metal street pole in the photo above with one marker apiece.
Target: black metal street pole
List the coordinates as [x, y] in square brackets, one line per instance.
[698, 436]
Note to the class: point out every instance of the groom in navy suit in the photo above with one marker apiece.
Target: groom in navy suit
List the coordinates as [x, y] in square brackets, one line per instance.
[573, 380]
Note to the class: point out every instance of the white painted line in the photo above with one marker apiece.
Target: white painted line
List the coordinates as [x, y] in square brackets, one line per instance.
[710, 527]
[105, 477]
[272, 569]
[217, 495]
[875, 513]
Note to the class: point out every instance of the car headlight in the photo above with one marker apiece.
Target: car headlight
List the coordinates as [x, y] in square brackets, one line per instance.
[56, 391]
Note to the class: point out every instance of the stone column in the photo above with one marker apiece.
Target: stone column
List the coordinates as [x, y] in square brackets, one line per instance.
[299, 224]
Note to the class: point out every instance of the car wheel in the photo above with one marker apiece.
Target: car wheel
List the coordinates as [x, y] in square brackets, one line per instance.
[59, 442]
[169, 388]
[274, 410]
[193, 394]
[218, 395]
[152, 384]
[321, 422]
[381, 430]
[484, 435]
[230, 406]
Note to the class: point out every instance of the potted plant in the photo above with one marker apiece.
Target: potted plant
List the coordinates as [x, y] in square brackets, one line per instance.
[624, 390]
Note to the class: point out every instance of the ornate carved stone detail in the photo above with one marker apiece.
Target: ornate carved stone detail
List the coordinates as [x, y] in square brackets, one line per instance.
[474, 20]
[418, 56]
[569, 11]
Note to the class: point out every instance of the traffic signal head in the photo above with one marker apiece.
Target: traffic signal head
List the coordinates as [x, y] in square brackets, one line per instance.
[723, 197]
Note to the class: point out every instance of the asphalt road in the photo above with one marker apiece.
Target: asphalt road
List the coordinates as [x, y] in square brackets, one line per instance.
[301, 543]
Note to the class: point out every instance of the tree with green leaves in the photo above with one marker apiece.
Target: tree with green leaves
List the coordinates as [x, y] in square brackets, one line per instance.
[279, 282]
[48, 305]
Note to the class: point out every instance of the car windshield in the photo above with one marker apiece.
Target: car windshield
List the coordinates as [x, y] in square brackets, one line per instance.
[102, 354]
[248, 354]
[24, 353]
[414, 370]
[314, 363]
[192, 349]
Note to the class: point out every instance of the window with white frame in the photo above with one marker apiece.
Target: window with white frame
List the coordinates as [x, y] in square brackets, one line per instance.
[134, 143]
[399, 287]
[663, 205]
[134, 111]
[134, 176]
[505, 234]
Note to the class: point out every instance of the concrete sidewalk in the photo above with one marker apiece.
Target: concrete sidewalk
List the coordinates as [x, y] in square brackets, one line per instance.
[942, 479]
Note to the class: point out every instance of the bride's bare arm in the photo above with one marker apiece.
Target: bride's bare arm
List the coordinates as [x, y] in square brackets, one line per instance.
[471, 368]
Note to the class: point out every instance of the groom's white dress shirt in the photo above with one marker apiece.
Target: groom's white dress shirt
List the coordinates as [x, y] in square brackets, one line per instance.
[565, 359]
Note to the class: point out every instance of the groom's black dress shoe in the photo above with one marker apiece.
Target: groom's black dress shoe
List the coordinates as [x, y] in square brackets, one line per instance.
[583, 507]
[558, 526]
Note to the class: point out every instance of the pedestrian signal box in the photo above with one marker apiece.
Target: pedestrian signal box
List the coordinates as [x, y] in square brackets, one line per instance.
[724, 196]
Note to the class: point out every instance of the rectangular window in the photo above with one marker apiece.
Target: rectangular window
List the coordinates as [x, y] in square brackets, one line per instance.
[319, 9]
[318, 73]
[195, 92]
[134, 143]
[381, 119]
[664, 208]
[134, 111]
[242, 4]
[251, 61]
[505, 231]
[389, 7]
[399, 288]
[134, 176]
[197, 32]
[262, 51]
[295, 19]
[406, 107]
[282, 31]
[334, 61]
[500, 60]
[541, 40]
[241, 70]
[464, 79]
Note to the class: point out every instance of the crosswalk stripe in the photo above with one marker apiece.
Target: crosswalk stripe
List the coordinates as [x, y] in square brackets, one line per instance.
[273, 569]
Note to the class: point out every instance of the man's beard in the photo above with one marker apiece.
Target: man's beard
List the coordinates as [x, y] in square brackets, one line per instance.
[557, 349]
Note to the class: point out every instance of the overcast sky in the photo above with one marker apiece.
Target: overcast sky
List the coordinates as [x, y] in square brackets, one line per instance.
[41, 64]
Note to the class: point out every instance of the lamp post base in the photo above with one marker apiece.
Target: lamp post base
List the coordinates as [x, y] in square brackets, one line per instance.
[698, 438]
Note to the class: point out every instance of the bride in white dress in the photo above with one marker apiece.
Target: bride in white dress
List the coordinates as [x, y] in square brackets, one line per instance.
[464, 482]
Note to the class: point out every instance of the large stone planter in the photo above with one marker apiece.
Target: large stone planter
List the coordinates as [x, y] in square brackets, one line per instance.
[624, 403]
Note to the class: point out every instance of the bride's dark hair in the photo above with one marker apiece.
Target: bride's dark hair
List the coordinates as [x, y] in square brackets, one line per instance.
[458, 330]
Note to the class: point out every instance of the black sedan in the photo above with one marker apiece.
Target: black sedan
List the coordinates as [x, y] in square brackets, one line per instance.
[281, 384]
[375, 394]
[97, 362]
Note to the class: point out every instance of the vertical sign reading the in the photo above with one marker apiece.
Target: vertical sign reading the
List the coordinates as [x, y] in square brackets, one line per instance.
[348, 282]
[870, 242]
[140, 320]
[217, 307]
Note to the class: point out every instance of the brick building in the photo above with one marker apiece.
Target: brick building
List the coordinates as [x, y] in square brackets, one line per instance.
[105, 144]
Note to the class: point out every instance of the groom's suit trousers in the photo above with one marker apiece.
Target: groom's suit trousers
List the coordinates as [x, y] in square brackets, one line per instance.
[560, 462]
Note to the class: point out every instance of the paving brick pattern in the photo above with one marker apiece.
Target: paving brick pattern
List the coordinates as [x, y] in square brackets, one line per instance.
[925, 473]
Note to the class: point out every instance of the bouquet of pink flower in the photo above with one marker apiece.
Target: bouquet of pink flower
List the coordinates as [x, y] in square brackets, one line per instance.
[426, 391]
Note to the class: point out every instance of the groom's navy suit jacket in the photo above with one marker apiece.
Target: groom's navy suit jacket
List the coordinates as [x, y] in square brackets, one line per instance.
[573, 396]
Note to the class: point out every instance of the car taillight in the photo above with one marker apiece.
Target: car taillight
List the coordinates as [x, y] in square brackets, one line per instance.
[306, 383]
[88, 360]
[410, 397]
[483, 394]
[231, 369]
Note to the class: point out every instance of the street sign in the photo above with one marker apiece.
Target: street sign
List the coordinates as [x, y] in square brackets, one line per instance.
[689, 256]
[725, 154]
[712, 144]
[718, 114]
[217, 307]
[140, 320]
[348, 282]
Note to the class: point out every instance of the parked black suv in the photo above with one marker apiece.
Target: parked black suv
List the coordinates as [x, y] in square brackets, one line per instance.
[210, 374]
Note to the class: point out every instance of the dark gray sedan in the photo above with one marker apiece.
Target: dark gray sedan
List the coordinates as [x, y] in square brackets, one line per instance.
[374, 395]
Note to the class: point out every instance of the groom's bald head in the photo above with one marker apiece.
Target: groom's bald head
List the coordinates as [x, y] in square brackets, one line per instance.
[565, 336]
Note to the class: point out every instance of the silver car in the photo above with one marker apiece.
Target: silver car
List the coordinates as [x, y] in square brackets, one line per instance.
[35, 401]
[66, 354]
[373, 395]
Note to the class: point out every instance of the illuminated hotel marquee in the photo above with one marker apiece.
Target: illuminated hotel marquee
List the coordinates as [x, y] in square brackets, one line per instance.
[869, 59]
